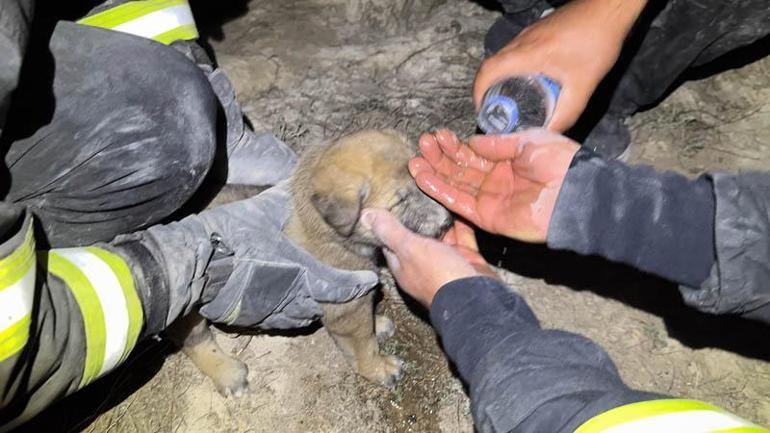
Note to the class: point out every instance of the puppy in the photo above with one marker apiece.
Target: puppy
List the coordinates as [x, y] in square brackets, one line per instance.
[330, 187]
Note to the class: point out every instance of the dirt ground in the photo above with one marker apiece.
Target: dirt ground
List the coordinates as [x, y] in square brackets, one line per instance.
[309, 70]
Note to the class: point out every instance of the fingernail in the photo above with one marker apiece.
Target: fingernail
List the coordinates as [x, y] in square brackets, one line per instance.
[393, 263]
[367, 219]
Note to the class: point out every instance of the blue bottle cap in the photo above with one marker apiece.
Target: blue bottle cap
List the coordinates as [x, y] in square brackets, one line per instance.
[498, 115]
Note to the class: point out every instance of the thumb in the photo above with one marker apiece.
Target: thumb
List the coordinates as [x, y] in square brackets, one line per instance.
[387, 228]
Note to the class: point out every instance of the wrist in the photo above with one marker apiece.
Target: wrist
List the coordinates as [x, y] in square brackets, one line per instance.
[618, 16]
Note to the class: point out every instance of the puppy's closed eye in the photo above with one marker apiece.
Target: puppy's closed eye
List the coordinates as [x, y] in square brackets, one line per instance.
[398, 199]
[342, 208]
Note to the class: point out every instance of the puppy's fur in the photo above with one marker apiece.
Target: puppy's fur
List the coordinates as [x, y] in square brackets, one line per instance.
[330, 187]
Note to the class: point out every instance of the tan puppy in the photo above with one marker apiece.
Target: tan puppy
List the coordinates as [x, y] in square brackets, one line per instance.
[330, 187]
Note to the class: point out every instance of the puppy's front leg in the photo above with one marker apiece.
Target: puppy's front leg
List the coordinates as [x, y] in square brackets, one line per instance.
[352, 325]
[192, 334]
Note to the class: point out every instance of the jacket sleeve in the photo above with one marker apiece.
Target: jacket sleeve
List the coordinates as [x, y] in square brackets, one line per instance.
[738, 283]
[711, 235]
[658, 222]
[523, 378]
[68, 316]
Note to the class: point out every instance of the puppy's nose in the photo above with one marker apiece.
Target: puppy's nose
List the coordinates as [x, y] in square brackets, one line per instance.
[448, 221]
[433, 221]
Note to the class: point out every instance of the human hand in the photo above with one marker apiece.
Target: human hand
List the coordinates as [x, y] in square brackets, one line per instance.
[422, 265]
[576, 45]
[504, 184]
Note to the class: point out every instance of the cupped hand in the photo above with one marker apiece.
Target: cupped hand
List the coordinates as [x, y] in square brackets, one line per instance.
[504, 184]
[423, 265]
[576, 45]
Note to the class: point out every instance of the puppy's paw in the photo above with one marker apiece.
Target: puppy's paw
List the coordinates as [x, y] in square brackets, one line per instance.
[231, 378]
[384, 327]
[386, 372]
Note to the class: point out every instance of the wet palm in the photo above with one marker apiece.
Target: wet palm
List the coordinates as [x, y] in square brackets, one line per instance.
[506, 185]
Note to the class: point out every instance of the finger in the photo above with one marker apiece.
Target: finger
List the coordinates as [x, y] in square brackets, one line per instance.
[387, 228]
[443, 149]
[448, 141]
[450, 237]
[505, 63]
[430, 149]
[465, 236]
[487, 74]
[419, 165]
[394, 264]
[465, 178]
[568, 108]
[496, 147]
[434, 155]
[459, 153]
[457, 201]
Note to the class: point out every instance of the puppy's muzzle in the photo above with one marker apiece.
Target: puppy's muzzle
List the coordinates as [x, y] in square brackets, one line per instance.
[423, 215]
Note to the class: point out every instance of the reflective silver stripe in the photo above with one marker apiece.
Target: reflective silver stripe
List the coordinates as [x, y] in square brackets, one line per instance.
[16, 299]
[158, 22]
[17, 289]
[111, 299]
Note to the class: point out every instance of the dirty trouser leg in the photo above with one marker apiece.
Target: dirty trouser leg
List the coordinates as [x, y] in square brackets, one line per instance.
[130, 137]
[666, 42]
[685, 34]
[253, 158]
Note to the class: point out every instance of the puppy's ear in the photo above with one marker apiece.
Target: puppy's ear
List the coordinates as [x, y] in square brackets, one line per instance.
[340, 203]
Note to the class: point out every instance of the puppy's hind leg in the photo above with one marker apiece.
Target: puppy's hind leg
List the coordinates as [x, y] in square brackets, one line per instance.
[352, 326]
[192, 334]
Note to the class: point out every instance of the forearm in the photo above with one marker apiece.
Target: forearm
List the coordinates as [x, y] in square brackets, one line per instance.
[659, 222]
[737, 283]
[91, 307]
[170, 266]
[522, 378]
[58, 332]
[618, 16]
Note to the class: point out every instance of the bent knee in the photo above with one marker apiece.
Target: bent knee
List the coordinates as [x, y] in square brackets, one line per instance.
[145, 95]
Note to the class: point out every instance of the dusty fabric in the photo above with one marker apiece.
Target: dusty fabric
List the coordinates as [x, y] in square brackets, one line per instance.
[15, 22]
[523, 378]
[669, 38]
[272, 283]
[738, 283]
[711, 235]
[96, 146]
[108, 148]
[659, 222]
[252, 158]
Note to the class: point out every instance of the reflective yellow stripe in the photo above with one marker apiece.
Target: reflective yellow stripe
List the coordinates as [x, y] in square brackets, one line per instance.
[17, 287]
[128, 11]
[16, 265]
[14, 338]
[186, 33]
[743, 430]
[90, 310]
[662, 416]
[133, 304]
[104, 289]
[164, 21]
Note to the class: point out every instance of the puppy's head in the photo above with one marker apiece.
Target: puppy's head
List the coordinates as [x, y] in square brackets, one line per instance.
[368, 169]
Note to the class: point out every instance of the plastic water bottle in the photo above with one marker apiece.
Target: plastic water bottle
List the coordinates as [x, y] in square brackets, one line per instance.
[517, 103]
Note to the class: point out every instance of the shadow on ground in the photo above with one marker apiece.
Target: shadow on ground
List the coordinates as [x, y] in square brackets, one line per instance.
[654, 295]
